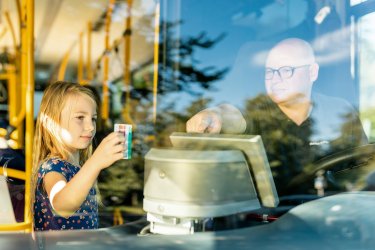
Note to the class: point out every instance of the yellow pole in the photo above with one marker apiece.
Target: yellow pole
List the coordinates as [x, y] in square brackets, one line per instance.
[62, 68]
[29, 72]
[27, 77]
[64, 63]
[156, 59]
[117, 217]
[12, 173]
[127, 46]
[18, 4]
[14, 105]
[15, 119]
[2, 34]
[12, 92]
[105, 102]
[88, 63]
[80, 59]
[11, 31]
[16, 227]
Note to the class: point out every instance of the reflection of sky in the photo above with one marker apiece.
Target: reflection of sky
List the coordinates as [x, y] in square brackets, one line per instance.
[366, 41]
[251, 27]
[243, 27]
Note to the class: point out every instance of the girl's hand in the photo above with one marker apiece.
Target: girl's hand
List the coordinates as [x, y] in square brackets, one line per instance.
[110, 149]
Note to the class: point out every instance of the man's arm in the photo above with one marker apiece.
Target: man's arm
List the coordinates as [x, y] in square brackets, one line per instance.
[224, 118]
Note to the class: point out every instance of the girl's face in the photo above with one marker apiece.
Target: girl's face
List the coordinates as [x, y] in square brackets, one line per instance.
[78, 122]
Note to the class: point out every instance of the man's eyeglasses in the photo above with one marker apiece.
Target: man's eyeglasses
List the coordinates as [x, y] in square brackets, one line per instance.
[284, 72]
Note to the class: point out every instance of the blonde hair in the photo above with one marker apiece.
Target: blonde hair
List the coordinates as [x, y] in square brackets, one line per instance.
[47, 139]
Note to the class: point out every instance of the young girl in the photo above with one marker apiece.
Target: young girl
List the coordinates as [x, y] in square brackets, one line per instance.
[64, 171]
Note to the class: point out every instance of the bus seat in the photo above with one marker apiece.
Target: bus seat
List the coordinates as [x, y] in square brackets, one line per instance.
[6, 209]
[14, 159]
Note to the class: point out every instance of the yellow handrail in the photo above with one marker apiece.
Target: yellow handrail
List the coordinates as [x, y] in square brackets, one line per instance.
[127, 46]
[80, 59]
[89, 75]
[16, 110]
[117, 217]
[6, 75]
[2, 34]
[10, 24]
[26, 225]
[156, 59]
[13, 107]
[18, 4]
[20, 226]
[12, 173]
[29, 71]
[16, 227]
[64, 63]
[27, 108]
[62, 68]
[105, 102]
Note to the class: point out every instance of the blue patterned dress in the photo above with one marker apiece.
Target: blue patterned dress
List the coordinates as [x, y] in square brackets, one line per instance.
[45, 218]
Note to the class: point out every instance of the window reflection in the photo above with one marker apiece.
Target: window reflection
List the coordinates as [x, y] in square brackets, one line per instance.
[355, 2]
[211, 54]
[247, 31]
[366, 77]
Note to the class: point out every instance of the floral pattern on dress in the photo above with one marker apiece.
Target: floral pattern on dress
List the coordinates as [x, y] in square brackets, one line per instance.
[45, 218]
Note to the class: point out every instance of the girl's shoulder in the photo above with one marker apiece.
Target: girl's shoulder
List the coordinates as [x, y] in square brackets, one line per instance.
[56, 164]
[53, 161]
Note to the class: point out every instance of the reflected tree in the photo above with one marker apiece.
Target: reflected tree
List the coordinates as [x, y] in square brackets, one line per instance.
[170, 121]
[285, 147]
[290, 150]
[120, 180]
[179, 69]
[179, 72]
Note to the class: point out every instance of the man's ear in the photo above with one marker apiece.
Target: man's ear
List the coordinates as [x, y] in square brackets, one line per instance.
[314, 72]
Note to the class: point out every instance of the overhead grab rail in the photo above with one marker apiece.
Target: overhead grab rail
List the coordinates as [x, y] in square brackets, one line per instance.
[64, 64]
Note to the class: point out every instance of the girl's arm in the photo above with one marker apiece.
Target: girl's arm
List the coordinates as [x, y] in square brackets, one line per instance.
[67, 197]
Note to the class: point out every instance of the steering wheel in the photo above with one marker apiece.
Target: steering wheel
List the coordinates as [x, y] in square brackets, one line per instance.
[349, 159]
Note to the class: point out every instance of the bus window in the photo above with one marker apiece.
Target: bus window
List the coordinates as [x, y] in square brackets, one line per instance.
[299, 73]
[366, 50]
[209, 60]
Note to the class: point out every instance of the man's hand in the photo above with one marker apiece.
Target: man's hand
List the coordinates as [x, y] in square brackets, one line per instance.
[222, 119]
[206, 121]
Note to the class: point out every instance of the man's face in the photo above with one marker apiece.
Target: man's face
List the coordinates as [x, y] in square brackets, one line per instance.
[291, 82]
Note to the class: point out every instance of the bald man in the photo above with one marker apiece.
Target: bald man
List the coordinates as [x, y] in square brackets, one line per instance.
[297, 126]
[290, 73]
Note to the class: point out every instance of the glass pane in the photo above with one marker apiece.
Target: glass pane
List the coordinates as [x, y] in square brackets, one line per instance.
[220, 58]
[355, 2]
[366, 45]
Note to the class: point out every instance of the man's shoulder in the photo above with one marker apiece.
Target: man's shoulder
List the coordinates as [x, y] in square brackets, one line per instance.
[261, 101]
[326, 101]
